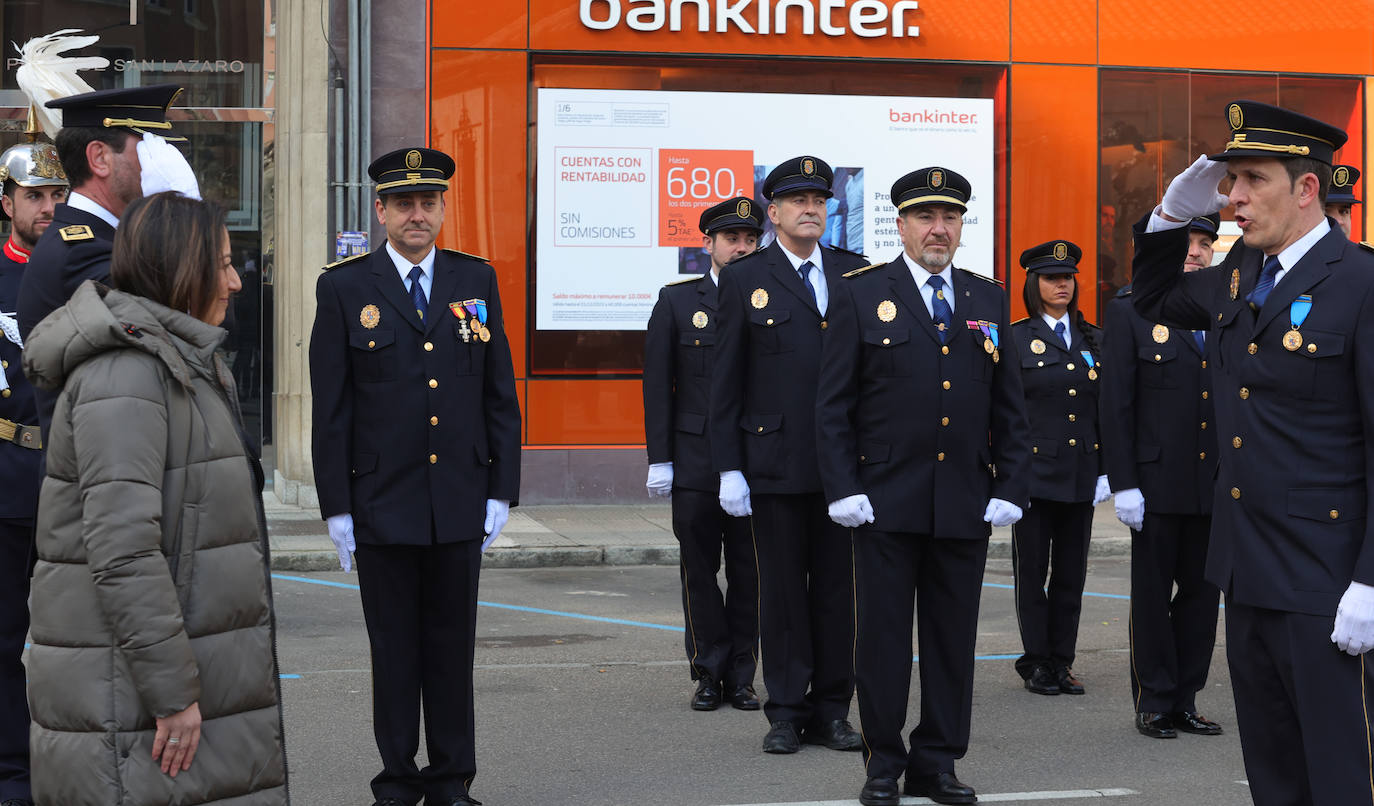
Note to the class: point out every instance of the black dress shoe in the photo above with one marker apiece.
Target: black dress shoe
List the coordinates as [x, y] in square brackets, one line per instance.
[707, 697]
[454, 800]
[390, 802]
[942, 787]
[880, 792]
[1193, 722]
[837, 734]
[1068, 684]
[744, 699]
[781, 738]
[1041, 680]
[1154, 725]
[27, 802]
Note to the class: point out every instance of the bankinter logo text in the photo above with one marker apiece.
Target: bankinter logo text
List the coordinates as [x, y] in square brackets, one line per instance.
[867, 18]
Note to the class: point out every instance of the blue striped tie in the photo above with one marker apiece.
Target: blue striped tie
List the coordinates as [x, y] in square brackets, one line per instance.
[805, 271]
[417, 292]
[1266, 282]
[939, 307]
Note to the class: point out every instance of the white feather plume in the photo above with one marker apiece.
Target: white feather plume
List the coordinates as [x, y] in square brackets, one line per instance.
[45, 74]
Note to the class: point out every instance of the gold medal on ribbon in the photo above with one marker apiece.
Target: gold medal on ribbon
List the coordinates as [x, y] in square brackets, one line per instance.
[988, 346]
[370, 316]
[996, 355]
[759, 299]
[699, 320]
[887, 310]
[484, 334]
[1292, 340]
[1160, 334]
[1235, 282]
[1037, 347]
[1092, 374]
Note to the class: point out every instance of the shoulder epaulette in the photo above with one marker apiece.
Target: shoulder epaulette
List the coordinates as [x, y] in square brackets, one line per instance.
[743, 258]
[1019, 321]
[465, 254]
[848, 252]
[336, 264]
[1367, 246]
[857, 272]
[1124, 291]
[76, 232]
[984, 278]
[691, 278]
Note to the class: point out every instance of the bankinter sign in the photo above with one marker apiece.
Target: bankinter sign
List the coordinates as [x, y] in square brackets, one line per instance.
[867, 18]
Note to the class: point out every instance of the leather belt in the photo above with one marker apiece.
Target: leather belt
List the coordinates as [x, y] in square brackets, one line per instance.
[25, 436]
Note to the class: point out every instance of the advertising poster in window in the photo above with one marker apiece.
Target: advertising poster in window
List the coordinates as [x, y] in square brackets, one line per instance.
[623, 176]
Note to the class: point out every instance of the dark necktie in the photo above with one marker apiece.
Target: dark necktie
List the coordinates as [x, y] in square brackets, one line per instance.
[1201, 340]
[417, 292]
[1265, 284]
[939, 307]
[1062, 333]
[805, 271]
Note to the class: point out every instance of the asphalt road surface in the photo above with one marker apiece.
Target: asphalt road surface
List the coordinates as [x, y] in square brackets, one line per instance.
[582, 691]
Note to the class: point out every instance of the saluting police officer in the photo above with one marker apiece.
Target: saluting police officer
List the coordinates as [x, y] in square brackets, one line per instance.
[1061, 362]
[1341, 197]
[417, 459]
[1160, 447]
[1290, 319]
[923, 435]
[34, 185]
[773, 307]
[679, 351]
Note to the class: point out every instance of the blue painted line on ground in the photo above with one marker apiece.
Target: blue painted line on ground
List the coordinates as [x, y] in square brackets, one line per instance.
[289, 676]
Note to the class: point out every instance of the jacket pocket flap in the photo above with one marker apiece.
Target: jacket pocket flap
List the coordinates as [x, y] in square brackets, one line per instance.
[1321, 343]
[769, 318]
[364, 463]
[1031, 360]
[1157, 353]
[760, 423]
[371, 339]
[1045, 447]
[690, 422]
[697, 339]
[1330, 504]
[886, 338]
[874, 453]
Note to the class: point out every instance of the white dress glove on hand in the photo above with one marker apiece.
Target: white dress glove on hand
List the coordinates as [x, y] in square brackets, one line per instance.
[1354, 632]
[1103, 491]
[341, 533]
[734, 494]
[1194, 193]
[1002, 513]
[1130, 508]
[660, 481]
[164, 168]
[852, 512]
[498, 512]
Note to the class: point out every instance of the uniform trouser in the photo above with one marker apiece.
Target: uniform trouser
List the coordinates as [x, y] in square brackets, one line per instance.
[806, 609]
[1172, 634]
[16, 564]
[420, 605]
[722, 631]
[1304, 709]
[1050, 540]
[945, 578]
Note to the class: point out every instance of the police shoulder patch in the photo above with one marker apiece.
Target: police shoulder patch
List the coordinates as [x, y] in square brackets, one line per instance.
[857, 272]
[1022, 319]
[848, 252]
[466, 255]
[1124, 291]
[691, 278]
[984, 278]
[76, 232]
[336, 264]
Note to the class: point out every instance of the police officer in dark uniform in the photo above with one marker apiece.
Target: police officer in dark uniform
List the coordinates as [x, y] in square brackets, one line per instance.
[1289, 314]
[773, 307]
[34, 185]
[1341, 197]
[416, 443]
[1159, 443]
[923, 436]
[1061, 362]
[103, 182]
[679, 349]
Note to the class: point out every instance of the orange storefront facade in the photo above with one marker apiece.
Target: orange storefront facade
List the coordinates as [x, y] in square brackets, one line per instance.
[1097, 104]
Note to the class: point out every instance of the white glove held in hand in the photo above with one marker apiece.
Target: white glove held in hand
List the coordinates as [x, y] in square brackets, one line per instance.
[1103, 491]
[734, 494]
[341, 532]
[1354, 632]
[660, 481]
[498, 512]
[852, 512]
[1194, 193]
[1130, 508]
[164, 168]
[1002, 513]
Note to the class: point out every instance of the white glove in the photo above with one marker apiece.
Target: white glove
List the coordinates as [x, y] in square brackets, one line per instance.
[734, 494]
[852, 512]
[1354, 632]
[1002, 513]
[341, 532]
[1194, 193]
[1130, 508]
[498, 512]
[1103, 491]
[660, 481]
[164, 168]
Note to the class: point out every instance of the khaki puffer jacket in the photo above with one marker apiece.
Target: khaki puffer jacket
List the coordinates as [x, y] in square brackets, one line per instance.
[151, 590]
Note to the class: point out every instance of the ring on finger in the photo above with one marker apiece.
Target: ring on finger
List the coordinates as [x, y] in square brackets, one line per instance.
[174, 740]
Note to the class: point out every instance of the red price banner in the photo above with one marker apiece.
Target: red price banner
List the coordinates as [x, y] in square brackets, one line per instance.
[689, 181]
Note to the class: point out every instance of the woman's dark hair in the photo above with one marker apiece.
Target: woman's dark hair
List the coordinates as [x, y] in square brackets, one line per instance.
[168, 249]
[1035, 306]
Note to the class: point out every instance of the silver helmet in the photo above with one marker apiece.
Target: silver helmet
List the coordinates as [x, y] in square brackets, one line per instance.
[32, 165]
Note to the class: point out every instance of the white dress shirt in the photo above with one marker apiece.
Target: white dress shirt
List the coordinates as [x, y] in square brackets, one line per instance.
[817, 275]
[922, 276]
[85, 204]
[1051, 321]
[403, 267]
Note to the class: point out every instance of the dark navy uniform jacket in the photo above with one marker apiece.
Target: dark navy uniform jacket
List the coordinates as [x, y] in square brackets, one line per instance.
[1159, 433]
[768, 354]
[679, 354]
[1061, 404]
[1290, 526]
[413, 426]
[928, 431]
[20, 469]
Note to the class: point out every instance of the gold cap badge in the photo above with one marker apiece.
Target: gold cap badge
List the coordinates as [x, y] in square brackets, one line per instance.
[808, 167]
[1234, 114]
[937, 178]
[743, 208]
[1061, 251]
[413, 159]
[1342, 177]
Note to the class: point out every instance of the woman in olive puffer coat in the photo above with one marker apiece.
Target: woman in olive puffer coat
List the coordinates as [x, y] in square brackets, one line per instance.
[152, 672]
